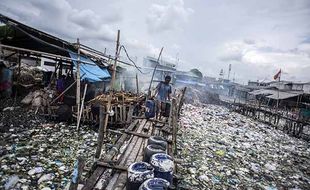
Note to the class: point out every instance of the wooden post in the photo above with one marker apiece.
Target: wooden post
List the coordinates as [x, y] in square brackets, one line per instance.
[112, 83]
[19, 64]
[137, 83]
[123, 108]
[100, 132]
[181, 100]
[78, 80]
[173, 113]
[18, 76]
[129, 114]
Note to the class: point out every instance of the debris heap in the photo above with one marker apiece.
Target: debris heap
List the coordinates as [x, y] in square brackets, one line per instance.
[223, 150]
[28, 74]
[118, 98]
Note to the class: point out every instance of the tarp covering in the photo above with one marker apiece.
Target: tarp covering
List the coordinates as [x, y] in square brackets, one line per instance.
[90, 71]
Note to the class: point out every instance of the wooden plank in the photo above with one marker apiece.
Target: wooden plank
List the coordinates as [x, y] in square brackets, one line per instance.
[141, 153]
[153, 120]
[138, 134]
[107, 165]
[121, 182]
[90, 183]
[126, 155]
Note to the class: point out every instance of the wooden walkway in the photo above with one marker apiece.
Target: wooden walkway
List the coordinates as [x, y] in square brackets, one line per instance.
[110, 171]
[277, 119]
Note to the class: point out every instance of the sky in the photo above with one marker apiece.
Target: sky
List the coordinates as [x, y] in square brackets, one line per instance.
[257, 37]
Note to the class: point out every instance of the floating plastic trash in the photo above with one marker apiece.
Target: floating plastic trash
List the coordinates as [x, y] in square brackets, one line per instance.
[220, 149]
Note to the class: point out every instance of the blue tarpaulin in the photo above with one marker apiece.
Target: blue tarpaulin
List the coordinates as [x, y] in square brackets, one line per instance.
[90, 71]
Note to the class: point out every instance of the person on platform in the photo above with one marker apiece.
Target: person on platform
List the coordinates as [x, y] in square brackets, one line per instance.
[162, 94]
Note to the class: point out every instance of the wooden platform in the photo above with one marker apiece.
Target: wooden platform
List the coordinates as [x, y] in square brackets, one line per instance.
[111, 171]
[276, 118]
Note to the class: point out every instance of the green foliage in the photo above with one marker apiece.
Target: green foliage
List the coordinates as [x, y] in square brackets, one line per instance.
[6, 31]
[196, 72]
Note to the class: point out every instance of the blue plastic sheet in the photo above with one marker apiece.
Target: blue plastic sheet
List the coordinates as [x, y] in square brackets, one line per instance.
[90, 71]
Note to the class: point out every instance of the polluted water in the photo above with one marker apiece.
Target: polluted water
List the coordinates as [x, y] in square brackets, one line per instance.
[220, 149]
[43, 156]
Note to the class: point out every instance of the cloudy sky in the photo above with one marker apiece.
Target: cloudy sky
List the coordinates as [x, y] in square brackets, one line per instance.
[257, 37]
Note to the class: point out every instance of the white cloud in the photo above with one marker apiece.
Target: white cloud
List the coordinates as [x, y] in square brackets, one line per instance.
[261, 60]
[304, 47]
[257, 37]
[61, 19]
[167, 17]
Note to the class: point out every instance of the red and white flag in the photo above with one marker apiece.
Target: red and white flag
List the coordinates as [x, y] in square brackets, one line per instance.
[276, 76]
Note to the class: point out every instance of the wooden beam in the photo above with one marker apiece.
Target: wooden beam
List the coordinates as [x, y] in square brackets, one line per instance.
[52, 56]
[137, 134]
[107, 165]
[152, 120]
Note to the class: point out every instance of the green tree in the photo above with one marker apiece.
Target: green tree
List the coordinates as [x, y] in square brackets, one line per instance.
[196, 72]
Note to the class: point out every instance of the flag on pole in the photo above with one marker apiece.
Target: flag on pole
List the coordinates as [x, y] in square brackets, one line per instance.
[276, 76]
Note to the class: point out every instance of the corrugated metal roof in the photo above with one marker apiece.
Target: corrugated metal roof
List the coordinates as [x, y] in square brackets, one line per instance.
[283, 95]
[275, 94]
[262, 92]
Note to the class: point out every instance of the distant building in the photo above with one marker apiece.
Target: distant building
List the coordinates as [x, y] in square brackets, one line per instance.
[257, 83]
[287, 85]
[163, 68]
[207, 79]
[183, 78]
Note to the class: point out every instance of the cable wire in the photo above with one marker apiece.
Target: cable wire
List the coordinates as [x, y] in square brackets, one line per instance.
[134, 64]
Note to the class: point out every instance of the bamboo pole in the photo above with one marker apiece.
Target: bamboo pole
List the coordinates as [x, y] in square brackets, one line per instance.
[63, 92]
[81, 109]
[137, 83]
[149, 90]
[112, 82]
[78, 80]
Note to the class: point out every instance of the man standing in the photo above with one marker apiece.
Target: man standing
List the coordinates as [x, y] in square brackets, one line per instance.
[163, 93]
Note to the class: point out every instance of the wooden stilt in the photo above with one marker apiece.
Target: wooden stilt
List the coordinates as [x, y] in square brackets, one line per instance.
[100, 132]
[78, 79]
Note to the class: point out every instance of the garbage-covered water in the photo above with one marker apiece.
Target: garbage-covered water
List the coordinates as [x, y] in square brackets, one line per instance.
[225, 150]
[42, 156]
